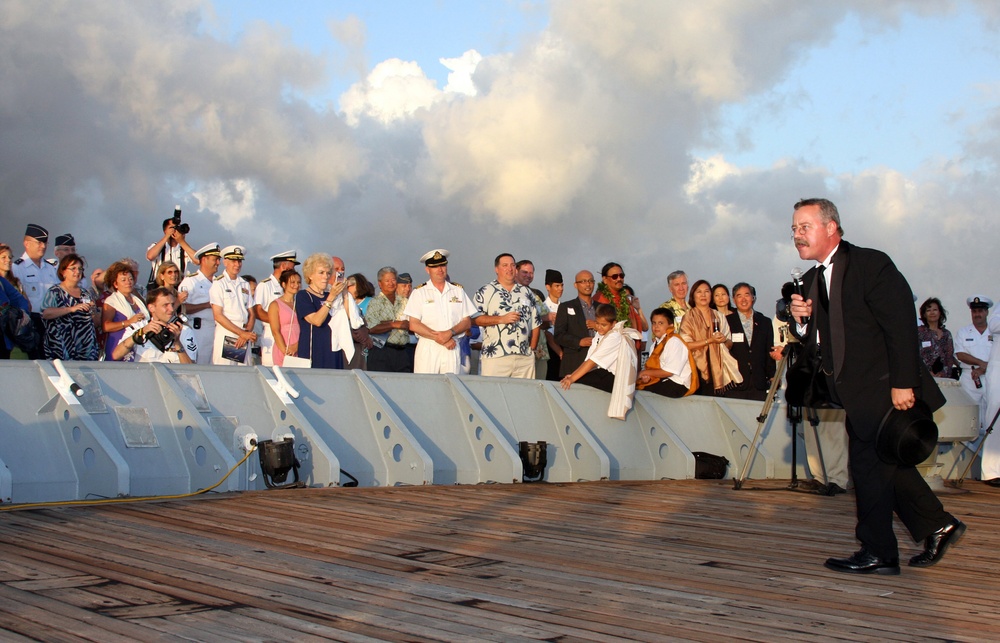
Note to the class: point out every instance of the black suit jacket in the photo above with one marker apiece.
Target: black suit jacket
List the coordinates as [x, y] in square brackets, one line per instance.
[570, 328]
[873, 336]
[756, 365]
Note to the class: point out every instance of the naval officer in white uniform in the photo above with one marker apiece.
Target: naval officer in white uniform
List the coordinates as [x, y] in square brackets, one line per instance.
[197, 307]
[232, 306]
[440, 314]
[267, 291]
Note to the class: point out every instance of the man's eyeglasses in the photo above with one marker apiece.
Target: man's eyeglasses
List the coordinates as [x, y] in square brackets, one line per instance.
[584, 281]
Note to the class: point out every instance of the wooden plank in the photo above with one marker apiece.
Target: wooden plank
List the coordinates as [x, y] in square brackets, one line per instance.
[690, 560]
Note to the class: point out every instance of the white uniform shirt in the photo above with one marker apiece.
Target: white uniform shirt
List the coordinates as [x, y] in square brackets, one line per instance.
[149, 353]
[267, 291]
[553, 307]
[197, 287]
[234, 296]
[971, 341]
[439, 310]
[35, 280]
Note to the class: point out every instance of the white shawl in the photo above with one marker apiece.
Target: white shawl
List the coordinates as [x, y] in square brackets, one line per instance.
[625, 372]
[341, 323]
[120, 303]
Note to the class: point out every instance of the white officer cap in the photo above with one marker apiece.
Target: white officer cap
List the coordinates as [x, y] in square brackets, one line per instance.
[978, 301]
[436, 257]
[288, 255]
[232, 252]
[211, 249]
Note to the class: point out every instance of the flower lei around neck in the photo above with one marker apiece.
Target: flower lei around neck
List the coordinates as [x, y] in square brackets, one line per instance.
[622, 308]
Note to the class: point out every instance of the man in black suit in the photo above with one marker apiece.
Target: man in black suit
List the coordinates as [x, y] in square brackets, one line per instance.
[858, 316]
[574, 329]
[753, 340]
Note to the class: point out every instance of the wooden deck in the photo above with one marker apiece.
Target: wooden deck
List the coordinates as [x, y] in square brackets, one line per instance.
[642, 561]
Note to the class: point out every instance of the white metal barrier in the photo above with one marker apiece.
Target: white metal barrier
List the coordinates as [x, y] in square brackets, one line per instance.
[83, 430]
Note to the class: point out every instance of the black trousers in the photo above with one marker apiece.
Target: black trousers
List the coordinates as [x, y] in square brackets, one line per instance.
[599, 378]
[391, 359]
[881, 489]
[668, 388]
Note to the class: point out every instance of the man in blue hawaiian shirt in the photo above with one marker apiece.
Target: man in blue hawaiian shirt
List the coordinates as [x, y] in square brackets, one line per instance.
[508, 315]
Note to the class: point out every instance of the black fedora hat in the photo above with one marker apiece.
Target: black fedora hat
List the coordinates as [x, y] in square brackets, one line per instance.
[907, 437]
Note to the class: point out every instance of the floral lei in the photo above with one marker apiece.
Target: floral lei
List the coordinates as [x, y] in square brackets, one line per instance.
[622, 308]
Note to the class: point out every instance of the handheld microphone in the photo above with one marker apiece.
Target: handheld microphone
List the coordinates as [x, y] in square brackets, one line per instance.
[797, 284]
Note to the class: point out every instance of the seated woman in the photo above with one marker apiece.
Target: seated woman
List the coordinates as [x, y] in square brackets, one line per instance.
[706, 333]
[598, 369]
[937, 349]
[670, 368]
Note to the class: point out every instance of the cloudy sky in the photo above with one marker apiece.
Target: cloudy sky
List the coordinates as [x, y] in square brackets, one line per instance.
[658, 134]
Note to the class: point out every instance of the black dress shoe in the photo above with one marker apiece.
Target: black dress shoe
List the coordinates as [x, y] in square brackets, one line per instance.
[993, 482]
[864, 562]
[938, 543]
[832, 489]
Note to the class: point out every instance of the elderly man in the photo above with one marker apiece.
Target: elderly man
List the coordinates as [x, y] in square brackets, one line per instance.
[440, 314]
[180, 346]
[856, 318]
[575, 324]
[973, 344]
[389, 328]
[677, 282]
[232, 307]
[197, 306]
[266, 292]
[36, 276]
[508, 315]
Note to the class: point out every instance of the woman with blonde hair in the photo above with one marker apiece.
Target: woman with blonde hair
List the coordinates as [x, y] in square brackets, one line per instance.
[315, 307]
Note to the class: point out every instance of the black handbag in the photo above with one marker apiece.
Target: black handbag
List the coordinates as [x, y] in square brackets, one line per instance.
[708, 466]
[18, 326]
[807, 385]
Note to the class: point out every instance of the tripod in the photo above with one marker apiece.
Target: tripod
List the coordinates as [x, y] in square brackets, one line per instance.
[762, 418]
[989, 429]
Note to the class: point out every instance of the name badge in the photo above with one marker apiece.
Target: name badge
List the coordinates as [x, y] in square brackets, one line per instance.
[739, 337]
[925, 344]
[570, 311]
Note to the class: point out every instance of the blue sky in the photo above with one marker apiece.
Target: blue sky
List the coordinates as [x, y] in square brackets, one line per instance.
[661, 135]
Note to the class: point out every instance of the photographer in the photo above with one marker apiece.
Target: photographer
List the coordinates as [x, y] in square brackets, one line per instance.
[173, 246]
[164, 339]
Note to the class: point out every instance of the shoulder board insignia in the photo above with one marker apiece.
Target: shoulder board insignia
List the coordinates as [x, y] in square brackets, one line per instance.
[217, 277]
[19, 261]
[52, 262]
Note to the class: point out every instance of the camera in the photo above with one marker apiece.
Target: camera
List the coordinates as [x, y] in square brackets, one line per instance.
[161, 339]
[783, 307]
[183, 228]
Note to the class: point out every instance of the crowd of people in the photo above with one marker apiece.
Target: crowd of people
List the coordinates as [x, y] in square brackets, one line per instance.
[705, 340]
